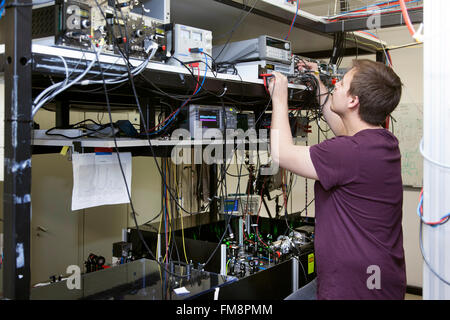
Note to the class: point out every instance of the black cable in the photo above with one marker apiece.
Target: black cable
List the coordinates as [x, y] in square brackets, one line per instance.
[168, 189]
[171, 222]
[224, 178]
[185, 64]
[118, 156]
[131, 79]
[76, 126]
[234, 28]
[356, 42]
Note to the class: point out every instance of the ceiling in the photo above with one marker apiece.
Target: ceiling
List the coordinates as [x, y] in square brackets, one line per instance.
[220, 18]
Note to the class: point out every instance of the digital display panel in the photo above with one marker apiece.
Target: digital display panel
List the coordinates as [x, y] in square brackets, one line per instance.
[271, 42]
[209, 118]
[231, 205]
[196, 36]
[185, 34]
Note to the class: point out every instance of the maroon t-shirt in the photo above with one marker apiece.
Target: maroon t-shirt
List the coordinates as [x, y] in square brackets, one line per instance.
[358, 234]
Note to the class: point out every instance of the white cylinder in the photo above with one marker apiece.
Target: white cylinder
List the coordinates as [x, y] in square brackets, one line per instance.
[436, 241]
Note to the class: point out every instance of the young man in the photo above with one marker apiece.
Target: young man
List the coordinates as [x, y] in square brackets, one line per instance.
[358, 192]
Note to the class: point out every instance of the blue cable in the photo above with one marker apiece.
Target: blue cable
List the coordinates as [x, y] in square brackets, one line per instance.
[2, 6]
[366, 7]
[447, 216]
[204, 77]
[293, 21]
[174, 116]
[365, 31]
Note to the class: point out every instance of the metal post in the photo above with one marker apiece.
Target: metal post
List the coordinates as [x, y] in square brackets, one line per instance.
[241, 232]
[294, 274]
[148, 112]
[381, 57]
[223, 259]
[62, 114]
[158, 248]
[17, 163]
[213, 179]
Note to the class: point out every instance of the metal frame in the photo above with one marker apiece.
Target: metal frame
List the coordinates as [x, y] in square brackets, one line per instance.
[17, 163]
[386, 21]
[328, 29]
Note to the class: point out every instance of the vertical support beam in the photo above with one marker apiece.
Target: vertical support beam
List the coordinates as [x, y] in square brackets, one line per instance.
[17, 164]
[148, 112]
[344, 6]
[241, 232]
[223, 259]
[381, 57]
[213, 179]
[295, 269]
[436, 268]
[62, 114]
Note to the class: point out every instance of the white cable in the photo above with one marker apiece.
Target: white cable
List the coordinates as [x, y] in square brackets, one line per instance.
[134, 72]
[65, 68]
[446, 166]
[44, 101]
[40, 101]
[43, 93]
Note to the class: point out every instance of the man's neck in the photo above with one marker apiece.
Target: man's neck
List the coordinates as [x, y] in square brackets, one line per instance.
[353, 126]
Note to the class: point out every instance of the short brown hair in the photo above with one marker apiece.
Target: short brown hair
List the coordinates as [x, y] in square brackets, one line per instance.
[378, 88]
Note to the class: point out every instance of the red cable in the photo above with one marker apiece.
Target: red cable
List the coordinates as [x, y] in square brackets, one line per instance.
[381, 5]
[196, 87]
[406, 17]
[421, 213]
[292, 23]
[367, 15]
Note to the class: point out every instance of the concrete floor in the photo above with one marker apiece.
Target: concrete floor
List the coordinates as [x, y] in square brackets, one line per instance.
[412, 297]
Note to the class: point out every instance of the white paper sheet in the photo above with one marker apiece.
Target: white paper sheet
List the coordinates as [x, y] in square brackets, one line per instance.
[181, 291]
[98, 180]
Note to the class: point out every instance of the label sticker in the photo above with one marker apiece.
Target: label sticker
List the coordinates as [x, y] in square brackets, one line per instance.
[310, 263]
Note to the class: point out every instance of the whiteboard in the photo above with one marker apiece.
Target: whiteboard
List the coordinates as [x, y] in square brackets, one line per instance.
[409, 131]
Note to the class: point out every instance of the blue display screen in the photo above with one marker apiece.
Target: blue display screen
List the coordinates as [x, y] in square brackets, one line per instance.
[231, 205]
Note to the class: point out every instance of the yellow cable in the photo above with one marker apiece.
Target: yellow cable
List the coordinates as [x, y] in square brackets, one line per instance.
[170, 221]
[405, 46]
[364, 43]
[182, 228]
[158, 243]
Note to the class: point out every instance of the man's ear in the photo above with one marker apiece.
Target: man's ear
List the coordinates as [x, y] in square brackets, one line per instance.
[353, 102]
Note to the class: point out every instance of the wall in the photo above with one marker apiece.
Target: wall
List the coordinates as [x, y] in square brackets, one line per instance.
[72, 236]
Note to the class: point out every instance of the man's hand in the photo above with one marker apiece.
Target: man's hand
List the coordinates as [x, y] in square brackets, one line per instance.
[278, 88]
[333, 120]
[305, 66]
[282, 148]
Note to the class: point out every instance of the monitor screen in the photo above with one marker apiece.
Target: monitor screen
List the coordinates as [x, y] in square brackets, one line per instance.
[209, 118]
[231, 205]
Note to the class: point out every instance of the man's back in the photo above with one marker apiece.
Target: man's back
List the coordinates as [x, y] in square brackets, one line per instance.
[359, 242]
